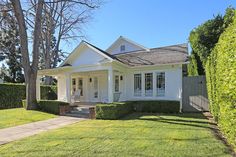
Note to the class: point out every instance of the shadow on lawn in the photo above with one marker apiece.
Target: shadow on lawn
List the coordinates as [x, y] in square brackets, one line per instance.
[200, 121]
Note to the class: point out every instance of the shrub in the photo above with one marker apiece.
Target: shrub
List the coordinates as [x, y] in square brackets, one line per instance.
[118, 110]
[51, 106]
[221, 82]
[113, 111]
[156, 106]
[12, 94]
[48, 92]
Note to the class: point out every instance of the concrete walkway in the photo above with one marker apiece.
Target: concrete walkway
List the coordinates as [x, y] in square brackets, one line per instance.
[18, 132]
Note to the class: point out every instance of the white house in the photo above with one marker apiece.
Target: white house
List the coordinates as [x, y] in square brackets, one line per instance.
[125, 71]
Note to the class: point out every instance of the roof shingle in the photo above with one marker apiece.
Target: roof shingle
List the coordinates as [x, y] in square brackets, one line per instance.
[156, 56]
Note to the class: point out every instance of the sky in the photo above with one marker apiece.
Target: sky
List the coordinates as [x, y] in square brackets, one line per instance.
[151, 23]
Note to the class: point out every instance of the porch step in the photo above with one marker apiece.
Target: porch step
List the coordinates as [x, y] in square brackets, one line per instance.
[80, 115]
[81, 112]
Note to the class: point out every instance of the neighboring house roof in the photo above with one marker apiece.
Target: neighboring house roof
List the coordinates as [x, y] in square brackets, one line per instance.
[163, 55]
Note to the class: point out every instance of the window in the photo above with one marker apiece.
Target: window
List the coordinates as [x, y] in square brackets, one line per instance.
[95, 85]
[73, 85]
[122, 48]
[117, 83]
[137, 84]
[160, 78]
[148, 84]
[80, 86]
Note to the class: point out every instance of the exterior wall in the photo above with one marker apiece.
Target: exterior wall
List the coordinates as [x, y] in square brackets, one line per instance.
[128, 47]
[86, 57]
[173, 83]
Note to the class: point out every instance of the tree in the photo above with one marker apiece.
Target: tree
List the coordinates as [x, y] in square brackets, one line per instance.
[32, 23]
[10, 46]
[195, 66]
[204, 38]
[63, 21]
[30, 68]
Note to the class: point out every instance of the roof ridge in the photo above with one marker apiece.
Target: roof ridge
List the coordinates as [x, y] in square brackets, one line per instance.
[101, 50]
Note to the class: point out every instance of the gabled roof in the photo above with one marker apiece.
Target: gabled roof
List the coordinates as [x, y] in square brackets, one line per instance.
[175, 54]
[96, 49]
[127, 40]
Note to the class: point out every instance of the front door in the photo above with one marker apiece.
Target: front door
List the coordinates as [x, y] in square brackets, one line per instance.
[94, 96]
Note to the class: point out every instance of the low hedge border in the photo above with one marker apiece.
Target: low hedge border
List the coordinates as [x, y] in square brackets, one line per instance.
[113, 111]
[12, 94]
[51, 106]
[118, 110]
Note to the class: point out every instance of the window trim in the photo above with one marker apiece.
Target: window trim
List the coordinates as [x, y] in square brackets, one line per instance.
[158, 93]
[150, 93]
[139, 93]
[117, 86]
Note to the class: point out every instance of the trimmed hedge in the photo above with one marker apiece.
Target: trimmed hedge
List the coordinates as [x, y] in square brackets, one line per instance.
[118, 110]
[12, 94]
[51, 106]
[161, 106]
[221, 82]
[113, 111]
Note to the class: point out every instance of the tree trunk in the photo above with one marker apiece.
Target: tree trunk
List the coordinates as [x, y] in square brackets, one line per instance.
[31, 91]
[30, 70]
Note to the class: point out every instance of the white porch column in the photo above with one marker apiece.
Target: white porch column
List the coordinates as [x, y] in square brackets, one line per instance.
[110, 85]
[68, 87]
[38, 94]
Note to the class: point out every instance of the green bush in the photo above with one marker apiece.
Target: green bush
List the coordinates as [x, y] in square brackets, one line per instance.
[118, 110]
[48, 92]
[12, 94]
[51, 106]
[113, 111]
[156, 106]
[221, 82]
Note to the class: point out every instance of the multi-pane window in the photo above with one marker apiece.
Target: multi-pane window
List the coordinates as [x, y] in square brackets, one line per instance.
[80, 86]
[122, 48]
[148, 84]
[137, 84]
[160, 86]
[117, 83]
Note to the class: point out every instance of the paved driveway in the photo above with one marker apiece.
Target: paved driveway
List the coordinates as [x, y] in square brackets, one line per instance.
[15, 133]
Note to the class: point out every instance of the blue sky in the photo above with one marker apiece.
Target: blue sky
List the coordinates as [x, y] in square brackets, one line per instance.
[152, 23]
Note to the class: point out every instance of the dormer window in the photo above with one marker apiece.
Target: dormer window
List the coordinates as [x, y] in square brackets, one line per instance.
[122, 48]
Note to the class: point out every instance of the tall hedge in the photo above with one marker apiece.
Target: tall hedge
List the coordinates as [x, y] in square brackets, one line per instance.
[221, 82]
[12, 94]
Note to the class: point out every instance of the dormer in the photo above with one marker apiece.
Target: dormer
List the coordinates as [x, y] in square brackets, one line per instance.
[123, 45]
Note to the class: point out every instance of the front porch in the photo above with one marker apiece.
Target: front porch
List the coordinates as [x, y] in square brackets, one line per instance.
[85, 85]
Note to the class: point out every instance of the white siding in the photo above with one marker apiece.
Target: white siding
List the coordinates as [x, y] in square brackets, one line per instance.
[128, 47]
[173, 83]
[86, 57]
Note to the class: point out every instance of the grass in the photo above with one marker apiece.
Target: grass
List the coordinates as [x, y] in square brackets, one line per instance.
[147, 135]
[19, 116]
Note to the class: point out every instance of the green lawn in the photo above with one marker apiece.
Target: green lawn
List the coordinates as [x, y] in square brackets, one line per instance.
[18, 116]
[137, 135]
